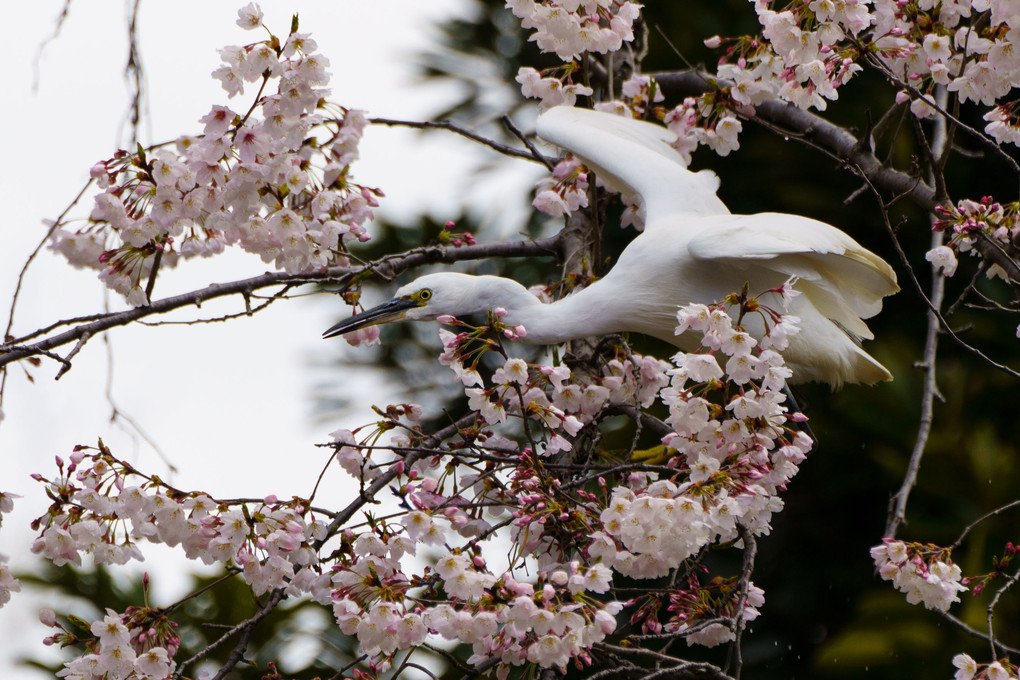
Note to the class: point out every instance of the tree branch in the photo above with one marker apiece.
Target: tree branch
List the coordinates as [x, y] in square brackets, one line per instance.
[856, 154]
[897, 513]
[532, 154]
[388, 266]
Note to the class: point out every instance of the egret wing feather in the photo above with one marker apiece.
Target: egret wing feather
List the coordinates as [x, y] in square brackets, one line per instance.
[812, 250]
[845, 281]
[634, 157]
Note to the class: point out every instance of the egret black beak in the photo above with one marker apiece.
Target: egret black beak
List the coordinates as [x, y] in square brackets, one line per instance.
[388, 311]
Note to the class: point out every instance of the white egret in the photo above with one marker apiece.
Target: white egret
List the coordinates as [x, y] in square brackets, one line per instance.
[692, 249]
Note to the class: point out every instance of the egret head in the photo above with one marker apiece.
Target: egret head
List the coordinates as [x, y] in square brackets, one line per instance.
[424, 299]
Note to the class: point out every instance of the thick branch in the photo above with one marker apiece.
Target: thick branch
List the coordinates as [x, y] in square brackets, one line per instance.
[245, 627]
[855, 153]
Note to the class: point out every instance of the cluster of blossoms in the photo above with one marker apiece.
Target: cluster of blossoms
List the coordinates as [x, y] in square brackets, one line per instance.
[732, 449]
[726, 462]
[138, 644]
[698, 120]
[970, 220]
[924, 572]
[565, 191]
[733, 452]
[8, 584]
[804, 54]
[275, 180]
[569, 28]
[552, 91]
[104, 508]
[388, 608]
[809, 49]
[547, 623]
[966, 45]
[969, 669]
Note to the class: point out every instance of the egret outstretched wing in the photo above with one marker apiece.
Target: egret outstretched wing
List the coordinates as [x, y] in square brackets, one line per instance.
[634, 157]
[844, 280]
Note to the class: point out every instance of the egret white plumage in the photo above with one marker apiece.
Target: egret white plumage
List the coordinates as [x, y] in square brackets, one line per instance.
[692, 249]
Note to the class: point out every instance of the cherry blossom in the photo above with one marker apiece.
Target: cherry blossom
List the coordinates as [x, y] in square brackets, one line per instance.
[570, 28]
[943, 259]
[732, 452]
[924, 573]
[275, 182]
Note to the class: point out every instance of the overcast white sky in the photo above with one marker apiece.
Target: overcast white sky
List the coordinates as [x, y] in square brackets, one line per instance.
[229, 403]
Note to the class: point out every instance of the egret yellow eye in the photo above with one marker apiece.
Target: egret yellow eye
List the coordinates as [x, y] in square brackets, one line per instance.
[424, 294]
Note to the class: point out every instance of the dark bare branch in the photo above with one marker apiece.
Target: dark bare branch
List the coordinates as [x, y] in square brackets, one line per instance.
[532, 154]
[855, 153]
[388, 266]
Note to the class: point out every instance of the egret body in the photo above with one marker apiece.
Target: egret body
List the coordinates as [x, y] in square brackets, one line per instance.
[691, 250]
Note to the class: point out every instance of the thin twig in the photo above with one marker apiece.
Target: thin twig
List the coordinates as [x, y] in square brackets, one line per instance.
[924, 297]
[64, 12]
[970, 288]
[1002, 649]
[247, 625]
[120, 417]
[463, 132]
[509, 123]
[134, 73]
[691, 669]
[340, 672]
[897, 513]
[70, 355]
[979, 520]
[31, 257]
[1010, 582]
[750, 552]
